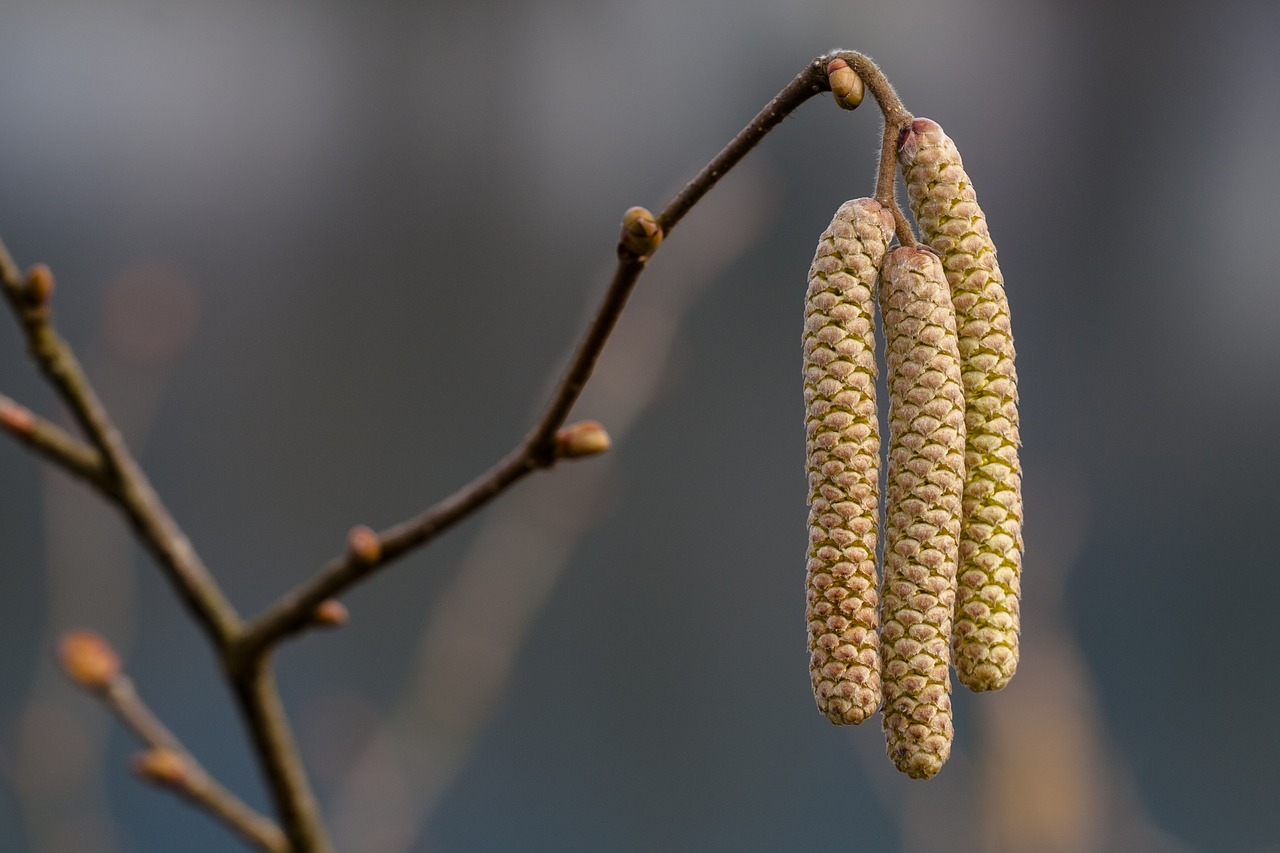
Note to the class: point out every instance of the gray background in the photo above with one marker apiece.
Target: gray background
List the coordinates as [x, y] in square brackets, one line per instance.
[325, 259]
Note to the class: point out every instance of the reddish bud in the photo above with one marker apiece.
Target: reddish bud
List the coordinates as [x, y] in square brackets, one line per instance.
[364, 545]
[15, 418]
[39, 285]
[846, 85]
[330, 613]
[641, 234]
[162, 766]
[88, 660]
[585, 438]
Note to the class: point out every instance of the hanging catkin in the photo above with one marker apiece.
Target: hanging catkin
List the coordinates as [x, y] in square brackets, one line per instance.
[922, 514]
[843, 443]
[985, 633]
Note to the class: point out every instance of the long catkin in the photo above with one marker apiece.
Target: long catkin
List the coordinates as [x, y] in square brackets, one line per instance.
[923, 504]
[985, 633]
[843, 443]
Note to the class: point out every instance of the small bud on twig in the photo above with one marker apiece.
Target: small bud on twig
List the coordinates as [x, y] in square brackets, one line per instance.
[585, 438]
[15, 418]
[88, 660]
[330, 613]
[846, 85]
[364, 545]
[39, 285]
[641, 234]
[162, 766]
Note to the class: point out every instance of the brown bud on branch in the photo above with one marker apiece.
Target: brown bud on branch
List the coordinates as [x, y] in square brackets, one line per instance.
[88, 660]
[330, 613]
[641, 234]
[846, 86]
[584, 438]
[364, 545]
[843, 443]
[162, 766]
[38, 287]
[985, 641]
[922, 518]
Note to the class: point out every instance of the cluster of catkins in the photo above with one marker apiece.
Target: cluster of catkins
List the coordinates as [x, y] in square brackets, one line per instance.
[952, 545]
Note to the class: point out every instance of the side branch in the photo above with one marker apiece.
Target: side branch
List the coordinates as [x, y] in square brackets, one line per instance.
[55, 444]
[90, 663]
[538, 450]
[129, 487]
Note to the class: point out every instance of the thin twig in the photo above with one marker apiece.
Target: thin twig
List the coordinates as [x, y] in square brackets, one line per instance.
[55, 444]
[293, 611]
[196, 784]
[132, 490]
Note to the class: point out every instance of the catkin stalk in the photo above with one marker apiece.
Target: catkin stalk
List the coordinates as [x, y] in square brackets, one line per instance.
[923, 504]
[843, 444]
[985, 633]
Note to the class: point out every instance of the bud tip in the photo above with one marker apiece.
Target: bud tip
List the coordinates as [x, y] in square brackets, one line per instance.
[330, 613]
[88, 660]
[846, 86]
[162, 766]
[641, 234]
[15, 418]
[364, 545]
[39, 284]
[584, 438]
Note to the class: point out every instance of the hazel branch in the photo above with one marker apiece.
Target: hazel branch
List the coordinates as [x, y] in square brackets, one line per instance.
[29, 299]
[641, 235]
[92, 665]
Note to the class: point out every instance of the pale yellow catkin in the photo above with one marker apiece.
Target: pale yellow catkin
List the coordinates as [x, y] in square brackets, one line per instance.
[843, 444]
[924, 483]
[985, 633]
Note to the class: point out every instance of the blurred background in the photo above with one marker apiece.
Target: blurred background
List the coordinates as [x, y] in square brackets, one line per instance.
[324, 260]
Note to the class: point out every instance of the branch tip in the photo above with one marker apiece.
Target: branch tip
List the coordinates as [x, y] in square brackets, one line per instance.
[16, 418]
[88, 660]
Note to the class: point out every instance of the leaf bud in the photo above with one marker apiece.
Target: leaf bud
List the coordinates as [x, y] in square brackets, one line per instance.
[641, 234]
[846, 85]
[88, 660]
[584, 438]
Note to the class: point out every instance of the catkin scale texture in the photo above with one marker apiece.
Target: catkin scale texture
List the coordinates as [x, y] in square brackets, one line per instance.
[985, 633]
[843, 447]
[924, 485]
